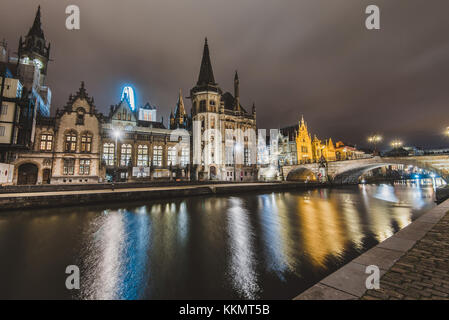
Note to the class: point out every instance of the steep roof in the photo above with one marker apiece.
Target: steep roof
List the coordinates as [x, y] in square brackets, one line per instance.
[36, 28]
[206, 75]
[180, 110]
[229, 102]
[206, 80]
[148, 106]
[290, 131]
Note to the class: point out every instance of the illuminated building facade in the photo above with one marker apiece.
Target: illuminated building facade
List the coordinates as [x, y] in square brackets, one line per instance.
[348, 152]
[66, 148]
[146, 149]
[224, 133]
[296, 146]
[25, 74]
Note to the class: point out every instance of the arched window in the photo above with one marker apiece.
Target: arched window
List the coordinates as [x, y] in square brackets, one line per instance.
[157, 156]
[86, 143]
[80, 116]
[171, 156]
[108, 154]
[70, 141]
[142, 156]
[125, 157]
[203, 106]
[46, 142]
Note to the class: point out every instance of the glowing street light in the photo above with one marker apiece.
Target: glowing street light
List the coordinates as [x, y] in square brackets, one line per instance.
[374, 139]
[396, 144]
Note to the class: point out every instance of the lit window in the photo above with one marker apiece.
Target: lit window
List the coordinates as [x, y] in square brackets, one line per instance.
[108, 153]
[84, 167]
[185, 156]
[70, 142]
[171, 156]
[86, 143]
[46, 142]
[157, 156]
[142, 156]
[125, 157]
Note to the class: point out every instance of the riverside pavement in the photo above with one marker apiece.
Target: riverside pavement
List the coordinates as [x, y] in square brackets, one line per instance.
[413, 263]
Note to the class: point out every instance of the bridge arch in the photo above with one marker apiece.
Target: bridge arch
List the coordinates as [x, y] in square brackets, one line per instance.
[301, 174]
[351, 174]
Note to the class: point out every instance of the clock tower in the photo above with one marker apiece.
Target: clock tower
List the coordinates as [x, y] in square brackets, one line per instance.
[34, 48]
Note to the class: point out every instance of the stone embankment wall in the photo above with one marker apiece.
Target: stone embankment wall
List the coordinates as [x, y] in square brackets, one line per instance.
[11, 201]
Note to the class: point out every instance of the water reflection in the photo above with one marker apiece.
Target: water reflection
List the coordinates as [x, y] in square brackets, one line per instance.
[321, 229]
[267, 246]
[242, 268]
[116, 255]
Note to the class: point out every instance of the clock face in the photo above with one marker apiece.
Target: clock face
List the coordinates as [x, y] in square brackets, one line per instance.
[39, 64]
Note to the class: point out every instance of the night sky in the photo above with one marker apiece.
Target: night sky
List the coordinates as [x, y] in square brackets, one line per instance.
[310, 57]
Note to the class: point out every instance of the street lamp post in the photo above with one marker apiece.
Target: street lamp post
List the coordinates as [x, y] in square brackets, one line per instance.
[374, 139]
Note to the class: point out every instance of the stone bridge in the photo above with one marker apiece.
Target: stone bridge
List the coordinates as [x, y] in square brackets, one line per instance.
[349, 171]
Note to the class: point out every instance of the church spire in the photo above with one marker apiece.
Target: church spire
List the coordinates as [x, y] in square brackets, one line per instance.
[237, 91]
[180, 109]
[206, 75]
[36, 29]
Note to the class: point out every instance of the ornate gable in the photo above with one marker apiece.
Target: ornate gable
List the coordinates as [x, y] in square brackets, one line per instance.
[80, 100]
[122, 114]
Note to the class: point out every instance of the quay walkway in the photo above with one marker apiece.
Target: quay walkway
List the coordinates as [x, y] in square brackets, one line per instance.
[413, 263]
[47, 198]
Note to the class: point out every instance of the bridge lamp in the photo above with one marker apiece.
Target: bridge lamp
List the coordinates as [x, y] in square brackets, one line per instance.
[396, 144]
[374, 139]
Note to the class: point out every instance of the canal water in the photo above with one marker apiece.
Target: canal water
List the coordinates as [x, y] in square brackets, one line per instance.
[246, 246]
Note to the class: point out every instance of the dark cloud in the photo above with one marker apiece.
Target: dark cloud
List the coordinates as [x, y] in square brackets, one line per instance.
[309, 57]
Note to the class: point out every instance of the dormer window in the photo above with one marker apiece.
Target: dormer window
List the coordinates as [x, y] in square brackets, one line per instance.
[80, 116]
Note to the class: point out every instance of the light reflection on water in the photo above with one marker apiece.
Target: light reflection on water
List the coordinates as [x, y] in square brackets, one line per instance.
[248, 246]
